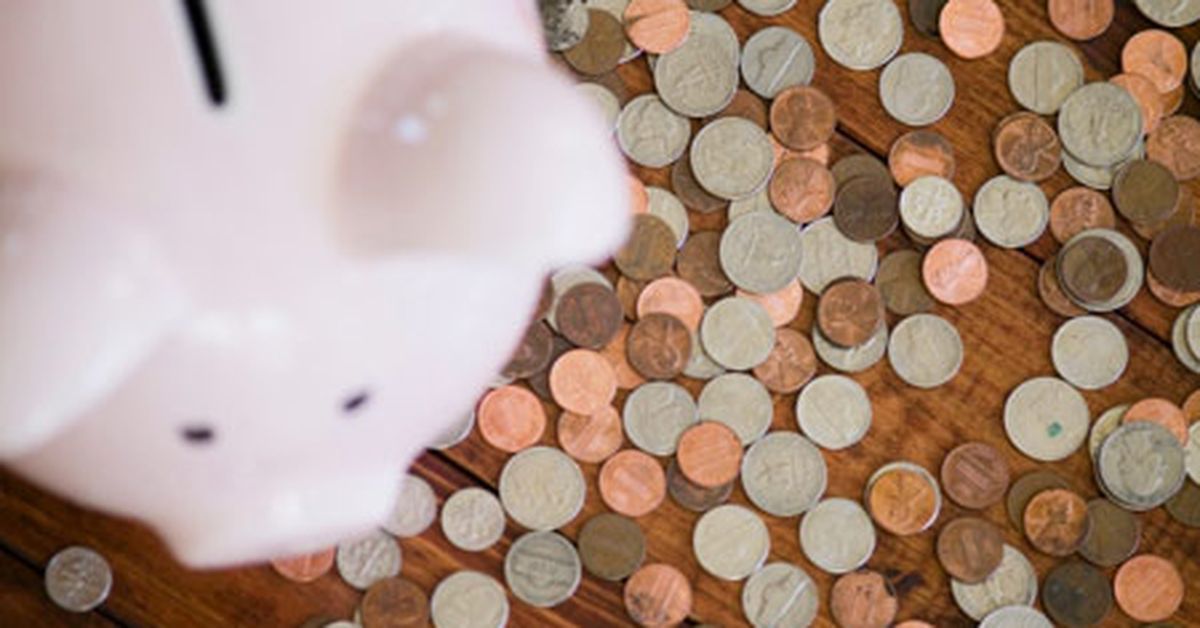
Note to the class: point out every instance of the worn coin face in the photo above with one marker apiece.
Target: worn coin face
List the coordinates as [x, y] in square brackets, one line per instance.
[916, 89]
[656, 413]
[649, 251]
[1046, 419]
[1011, 213]
[730, 542]
[863, 598]
[469, 599]
[659, 346]
[1052, 293]
[1171, 255]
[1026, 147]
[802, 117]
[541, 488]
[658, 595]
[700, 77]
[1077, 594]
[700, 265]
[970, 549]
[865, 209]
[975, 475]
[860, 34]
[602, 45]
[780, 594]
[739, 401]
[611, 547]
[801, 189]
[737, 333]
[834, 411]
[776, 58]
[1141, 465]
[692, 496]
[1148, 588]
[1056, 521]
[305, 567]
[931, 207]
[790, 365]
[837, 535]
[925, 350]
[1184, 507]
[650, 134]
[783, 305]
[1014, 582]
[1105, 424]
[900, 283]
[414, 510]
[1078, 209]
[632, 483]
[732, 157]
[1100, 124]
[542, 569]
[852, 359]
[920, 153]
[1023, 490]
[1089, 352]
[761, 252]
[472, 519]
[1170, 13]
[850, 312]
[78, 579]
[827, 255]
[1042, 74]
[1112, 537]
[689, 190]
[590, 437]
[564, 23]
[1100, 269]
[364, 561]
[783, 474]
[1145, 191]
[1176, 145]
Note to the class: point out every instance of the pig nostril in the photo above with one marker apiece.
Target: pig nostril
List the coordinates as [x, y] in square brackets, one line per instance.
[356, 401]
[198, 434]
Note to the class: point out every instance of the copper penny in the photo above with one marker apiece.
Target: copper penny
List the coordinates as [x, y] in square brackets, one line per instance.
[532, 354]
[783, 305]
[1148, 588]
[1052, 293]
[850, 312]
[639, 198]
[971, 28]
[745, 104]
[1191, 407]
[1185, 214]
[628, 291]
[657, 26]
[1176, 145]
[1026, 147]
[709, 454]
[692, 496]
[650, 250]
[689, 190]
[1157, 55]
[700, 264]
[902, 502]
[582, 381]
[970, 549]
[955, 271]
[1148, 99]
[1145, 192]
[611, 547]
[790, 365]
[975, 475]
[1077, 594]
[632, 483]
[820, 154]
[602, 45]
[1081, 19]
[802, 117]
[865, 209]
[1091, 270]
[674, 296]
[1162, 412]
[305, 567]
[921, 153]
[1079, 209]
[1113, 536]
[801, 189]
[588, 315]
[394, 603]
[863, 599]
[1023, 490]
[511, 418]
[590, 438]
[1056, 521]
[659, 346]
[1173, 258]
[1170, 296]
[658, 595]
[618, 357]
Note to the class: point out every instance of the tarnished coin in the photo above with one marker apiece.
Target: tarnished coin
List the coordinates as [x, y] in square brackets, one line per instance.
[1089, 352]
[658, 595]
[1176, 145]
[394, 603]
[802, 117]
[1158, 55]
[970, 549]
[1192, 454]
[364, 561]
[1100, 269]
[611, 547]
[827, 255]
[852, 359]
[700, 77]
[692, 496]
[903, 498]
[1017, 616]
[863, 598]
[414, 510]
[834, 411]
[1141, 465]
[739, 401]
[78, 579]
[1052, 293]
[649, 251]
[1011, 213]
[931, 207]
[659, 346]
[541, 488]
[1184, 507]
[689, 190]
[602, 45]
[776, 58]
[955, 271]
[1112, 537]
[924, 15]
[1026, 147]
[900, 283]
[925, 350]
[711, 6]
[655, 414]
[761, 252]
[532, 354]
[971, 28]
[916, 89]
[732, 157]
[858, 165]
[650, 134]
[632, 483]
[730, 542]
[1100, 124]
[767, 8]
[865, 210]
[1056, 521]
[801, 189]
[469, 599]
[920, 153]
[472, 519]
[1024, 489]
[1145, 192]
[780, 594]
[1172, 262]
[783, 474]
[1077, 594]
[860, 34]
[1148, 588]
[564, 23]
[1078, 209]
[305, 567]
[737, 333]
[542, 569]
[850, 312]
[790, 365]
[1081, 19]
[667, 206]
[1014, 582]
[616, 8]
[1046, 419]
[1170, 13]
[837, 535]
[1162, 412]
[700, 265]
[746, 104]
[975, 475]
[1042, 74]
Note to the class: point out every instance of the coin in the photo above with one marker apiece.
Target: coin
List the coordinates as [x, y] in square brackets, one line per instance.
[1148, 588]
[1108, 422]
[1146, 95]
[78, 579]
[737, 333]
[511, 418]
[864, 210]
[617, 355]
[414, 510]
[699, 264]
[827, 255]
[955, 271]
[1014, 582]
[469, 599]
[305, 567]
[732, 157]
[801, 189]
[767, 8]
[745, 105]
[456, 433]
[394, 603]
[701, 366]
[860, 34]
[368, 559]
[602, 45]
[709, 454]
[590, 438]
[782, 305]
[632, 483]
[692, 496]
[665, 205]
[931, 207]
[924, 15]
[1145, 191]
[1056, 521]
[606, 102]
[472, 519]
[971, 28]
[803, 117]
[740, 402]
[582, 381]
[761, 252]
[759, 202]
[689, 190]
[1161, 412]
[1170, 13]
[783, 474]
[925, 350]
[700, 77]
[1046, 419]
[975, 475]
[834, 411]
[542, 569]
[1011, 213]
[657, 26]
[674, 296]
[850, 312]
[776, 58]
[658, 595]
[564, 23]
[1026, 147]
[1078, 209]
[1176, 145]
[655, 414]
[780, 594]
[650, 250]
[1184, 507]
[970, 549]
[1052, 293]
[852, 359]
[1017, 616]
[1157, 55]
[659, 346]
[1089, 352]
[900, 284]
[541, 488]
[837, 535]
[1141, 465]
[1025, 488]
[858, 165]
[611, 547]
[920, 153]
[1081, 20]
[916, 89]
[1179, 341]
[1100, 124]
[1171, 254]
[1042, 74]
[730, 542]
[1113, 535]
[650, 134]
[1099, 269]
[903, 498]
[863, 598]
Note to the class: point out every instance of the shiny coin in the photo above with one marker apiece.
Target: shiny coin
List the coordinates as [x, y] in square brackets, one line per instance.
[837, 535]
[740, 402]
[650, 134]
[1046, 419]
[780, 594]
[850, 312]
[658, 595]
[860, 34]
[737, 333]
[903, 498]
[865, 209]
[1100, 124]
[761, 252]
[472, 519]
[1026, 147]
[564, 23]
[1011, 213]
[827, 255]
[1141, 465]
[1077, 594]
[1113, 535]
[1056, 521]
[970, 549]
[1148, 588]
[659, 346]
[776, 58]
[920, 153]
[692, 496]
[971, 28]
[1089, 352]
[542, 569]
[925, 350]
[730, 542]
[709, 454]
[1016, 617]
[863, 598]
[511, 418]
[931, 207]
[611, 547]
[732, 157]
[1079, 209]
[975, 475]
[655, 414]
[78, 579]
[1145, 192]
[394, 603]
[1014, 582]
[541, 488]
[700, 77]
[955, 271]
[783, 474]
[632, 483]
[916, 89]
[802, 117]
[305, 567]
[602, 45]
[1042, 74]
[364, 561]
[469, 599]
[667, 206]
[1081, 19]
[900, 283]
[801, 189]
[414, 510]
[834, 411]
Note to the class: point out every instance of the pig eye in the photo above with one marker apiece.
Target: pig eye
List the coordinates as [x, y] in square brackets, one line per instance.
[197, 434]
[355, 402]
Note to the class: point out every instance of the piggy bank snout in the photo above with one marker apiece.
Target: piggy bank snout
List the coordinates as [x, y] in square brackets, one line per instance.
[458, 147]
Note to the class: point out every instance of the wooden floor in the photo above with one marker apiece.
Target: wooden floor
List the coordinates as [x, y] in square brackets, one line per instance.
[1006, 333]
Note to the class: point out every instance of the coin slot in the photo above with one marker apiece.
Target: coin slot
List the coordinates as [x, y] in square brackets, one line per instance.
[356, 401]
[198, 434]
[206, 51]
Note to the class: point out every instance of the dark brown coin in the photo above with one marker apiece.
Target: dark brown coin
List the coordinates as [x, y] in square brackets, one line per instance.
[545, 300]
[859, 165]
[1113, 536]
[1145, 192]
[975, 475]
[708, 5]
[394, 603]
[802, 117]
[533, 354]
[602, 45]
[865, 209]
[1026, 147]
[692, 496]
[650, 250]
[700, 264]
[659, 346]
[611, 546]
[1185, 214]
[924, 15]
[1023, 490]
[863, 599]
[589, 315]
[1091, 270]
[900, 283]
[539, 382]
[1184, 507]
[790, 365]
[1076, 594]
[970, 549]
[1052, 293]
[628, 292]
[850, 312]
[1175, 258]
[1056, 520]
[745, 104]
[689, 191]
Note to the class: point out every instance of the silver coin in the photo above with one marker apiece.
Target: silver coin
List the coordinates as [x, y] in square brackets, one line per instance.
[1046, 419]
[606, 102]
[776, 58]
[780, 595]
[700, 365]
[827, 255]
[541, 488]
[784, 474]
[78, 579]
[1191, 457]
[1099, 178]
[767, 8]
[1192, 332]
[1013, 583]
[616, 8]
[740, 402]
[700, 77]
[1100, 124]
[472, 519]
[759, 201]
[851, 359]
[925, 350]
[1134, 274]
[1011, 213]
[931, 207]
[1179, 343]
[1105, 424]
[1016, 617]
[916, 89]
[414, 510]
[833, 411]
[468, 599]
[1089, 352]
[456, 433]
[1042, 74]
[732, 157]
[667, 206]
[1170, 13]
[730, 542]
[656, 414]
[837, 535]
[1141, 465]
[368, 559]
[761, 252]
[542, 569]
[650, 134]
[564, 23]
[860, 34]
[737, 333]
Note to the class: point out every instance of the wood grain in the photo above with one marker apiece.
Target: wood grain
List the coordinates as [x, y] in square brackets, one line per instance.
[1006, 334]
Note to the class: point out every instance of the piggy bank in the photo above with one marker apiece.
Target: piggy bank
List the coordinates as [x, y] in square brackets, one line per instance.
[257, 254]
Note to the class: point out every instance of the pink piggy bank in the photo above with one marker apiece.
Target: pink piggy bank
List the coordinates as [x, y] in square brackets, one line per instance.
[256, 255]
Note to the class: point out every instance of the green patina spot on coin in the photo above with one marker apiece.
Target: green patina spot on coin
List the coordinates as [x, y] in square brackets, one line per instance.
[1054, 429]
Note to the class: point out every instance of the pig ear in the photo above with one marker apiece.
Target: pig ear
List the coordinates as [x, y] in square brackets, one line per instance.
[83, 299]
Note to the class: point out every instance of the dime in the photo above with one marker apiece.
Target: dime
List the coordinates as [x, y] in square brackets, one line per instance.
[920, 153]
[1026, 147]
[1056, 521]
[395, 603]
[1011, 213]
[650, 134]
[903, 498]
[865, 209]
[803, 117]
[1081, 19]
[632, 483]
[1170, 13]
[699, 264]
[1042, 74]
[827, 255]
[834, 411]
[860, 34]
[782, 305]
[1141, 465]
[780, 594]
[971, 28]
[368, 559]
[674, 296]
[564, 23]
[916, 89]
[1176, 145]
[1046, 419]
[1017, 616]
[732, 157]
[970, 549]
[1146, 95]
[611, 547]
[801, 189]
[1148, 588]
[590, 437]
[649, 251]
[472, 519]
[692, 496]
[740, 402]
[542, 569]
[737, 333]
[1100, 124]
[730, 542]
[581, 381]
[975, 475]
[657, 26]
[655, 414]
[511, 418]
[414, 510]
[900, 283]
[776, 58]
[931, 207]
[305, 567]
[761, 252]
[783, 474]
[1078, 209]
[658, 595]
[850, 312]
[767, 8]
[700, 77]
[1014, 582]
[469, 599]
[1145, 192]
[689, 190]
[955, 271]
[1113, 535]
[602, 45]
[1172, 256]
[667, 206]
[1157, 55]
[1089, 352]
[541, 488]
[78, 579]
[1161, 412]
[659, 346]
[863, 598]
[837, 535]
[925, 350]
